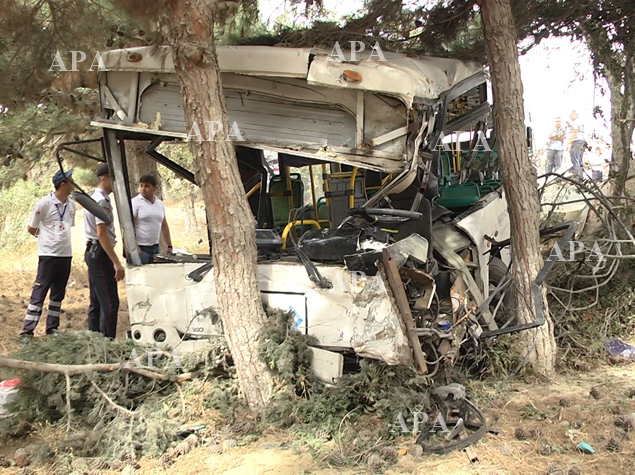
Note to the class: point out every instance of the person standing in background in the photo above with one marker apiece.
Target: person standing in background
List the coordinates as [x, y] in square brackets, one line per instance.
[104, 267]
[576, 143]
[51, 222]
[148, 212]
[555, 147]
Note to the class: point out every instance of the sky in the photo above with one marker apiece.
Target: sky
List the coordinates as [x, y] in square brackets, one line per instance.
[270, 10]
[557, 77]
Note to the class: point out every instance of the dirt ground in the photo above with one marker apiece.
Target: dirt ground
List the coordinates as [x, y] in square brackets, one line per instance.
[509, 405]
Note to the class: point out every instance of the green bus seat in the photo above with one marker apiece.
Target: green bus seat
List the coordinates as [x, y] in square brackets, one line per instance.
[459, 196]
[446, 168]
[485, 189]
[279, 195]
[496, 184]
[323, 209]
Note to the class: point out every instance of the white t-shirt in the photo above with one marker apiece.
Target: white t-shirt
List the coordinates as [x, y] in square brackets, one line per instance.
[577, 126]
[91, 221]
[148, 217]
[53, 220]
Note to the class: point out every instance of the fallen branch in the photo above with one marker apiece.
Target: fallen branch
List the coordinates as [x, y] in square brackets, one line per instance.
[110, 401]
[70, 370]
[68, 403]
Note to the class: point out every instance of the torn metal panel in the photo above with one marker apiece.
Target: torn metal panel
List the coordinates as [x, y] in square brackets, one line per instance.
[258, 60]
[396, 287]
[425, 284]
[475, 291]
[452, 239]
[490, 218]
[413, 247]
[378, 332]
[357, 313]
[290, 99]
[400, 76]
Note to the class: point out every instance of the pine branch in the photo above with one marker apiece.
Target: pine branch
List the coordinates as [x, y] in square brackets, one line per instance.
[70, 370]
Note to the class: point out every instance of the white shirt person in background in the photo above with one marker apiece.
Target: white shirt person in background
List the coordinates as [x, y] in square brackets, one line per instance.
[149, 218]
[576, 143]
[555, 147]
[51, 222]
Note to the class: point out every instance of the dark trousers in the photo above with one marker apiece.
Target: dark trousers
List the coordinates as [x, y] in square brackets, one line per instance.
[148, 253]
[52, 273]
[104, 299]
[554, 160]
[577, 153]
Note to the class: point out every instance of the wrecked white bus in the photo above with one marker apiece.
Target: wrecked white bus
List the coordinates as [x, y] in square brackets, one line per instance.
[396, 251]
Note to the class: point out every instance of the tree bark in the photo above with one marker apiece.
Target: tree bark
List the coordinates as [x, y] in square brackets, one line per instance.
[519, 179]
[139, 164]
[231, 223]
[622, 124]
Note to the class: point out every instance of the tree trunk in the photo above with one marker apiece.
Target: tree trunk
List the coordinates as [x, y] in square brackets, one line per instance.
[231, 223]
[189, 206]
[622, 124]
[139, 164]
[519, 179]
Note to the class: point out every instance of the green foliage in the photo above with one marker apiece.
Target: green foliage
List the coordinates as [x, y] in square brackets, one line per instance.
[378, 388]
[287, 352]
[42, 396]
[26, 138]
[490, 360]
[224, 397]
[85, 177]
[31, 33]
[16, 203]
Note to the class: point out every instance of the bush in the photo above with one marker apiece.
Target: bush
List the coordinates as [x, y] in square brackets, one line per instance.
[16, 204]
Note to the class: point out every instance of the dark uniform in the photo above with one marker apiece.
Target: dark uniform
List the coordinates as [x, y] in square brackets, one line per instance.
[53, 221]
[104, 299]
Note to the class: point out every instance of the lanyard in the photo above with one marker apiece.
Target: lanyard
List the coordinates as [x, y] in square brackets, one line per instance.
[63, 212]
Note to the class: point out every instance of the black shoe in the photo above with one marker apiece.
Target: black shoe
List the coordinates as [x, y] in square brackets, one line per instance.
[54, 332]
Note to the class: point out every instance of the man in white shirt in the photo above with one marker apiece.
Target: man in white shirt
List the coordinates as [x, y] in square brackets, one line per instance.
[104, 267]
[51, 222]
[555, 147]
[576, 143]
[149, 217]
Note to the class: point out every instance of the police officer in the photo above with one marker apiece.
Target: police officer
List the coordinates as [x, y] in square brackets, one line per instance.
[51, 222]
[104, 267]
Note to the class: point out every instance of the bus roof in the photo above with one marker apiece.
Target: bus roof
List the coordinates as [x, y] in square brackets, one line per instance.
[410, 79]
